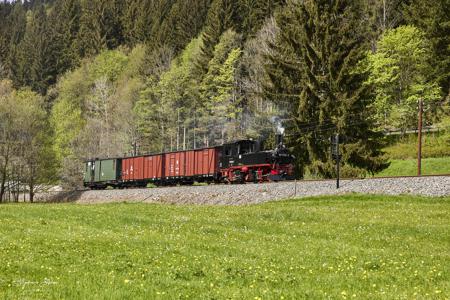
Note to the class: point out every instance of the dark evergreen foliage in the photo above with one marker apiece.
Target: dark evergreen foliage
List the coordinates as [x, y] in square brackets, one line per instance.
[433, 17]
[253, 13]
[313, 71]
[64, 20]
[137, 21]
[221, 17]
[14, 33]
[184, 22]
[100, 26]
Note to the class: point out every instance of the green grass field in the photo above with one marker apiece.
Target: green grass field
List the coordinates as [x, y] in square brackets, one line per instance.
[433, 145]
[402, 153]
[408, 167]
[348, 247]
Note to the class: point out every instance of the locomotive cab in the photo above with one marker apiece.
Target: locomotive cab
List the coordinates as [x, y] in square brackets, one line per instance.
[244, 152]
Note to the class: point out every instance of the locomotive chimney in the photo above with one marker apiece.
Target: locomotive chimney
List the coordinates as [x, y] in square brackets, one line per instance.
[259, 145]
[279, 131]
[279, 139]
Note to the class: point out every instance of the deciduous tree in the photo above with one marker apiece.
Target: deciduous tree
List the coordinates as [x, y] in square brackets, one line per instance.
[402, 73]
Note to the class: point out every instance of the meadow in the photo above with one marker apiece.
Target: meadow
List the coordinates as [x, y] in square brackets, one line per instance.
[347, 247]
[433, 145]
[408, 167]
[402, 154]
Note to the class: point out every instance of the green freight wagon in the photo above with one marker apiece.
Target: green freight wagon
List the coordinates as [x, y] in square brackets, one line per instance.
[101, 173]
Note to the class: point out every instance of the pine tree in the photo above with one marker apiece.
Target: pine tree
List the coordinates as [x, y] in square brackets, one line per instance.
[313, 70]
[5, 29]
[100, 26]
[17, 25]
[253, 14]
[184, 22]
[64, 24]
[221, 17]
[218, 91]
[432, 16]
[36, 67]
[137, 21]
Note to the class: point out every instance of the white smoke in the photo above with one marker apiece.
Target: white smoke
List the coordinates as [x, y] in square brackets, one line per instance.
[279, 125]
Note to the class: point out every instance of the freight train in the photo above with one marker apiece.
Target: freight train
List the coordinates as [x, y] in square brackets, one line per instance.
[239, 162]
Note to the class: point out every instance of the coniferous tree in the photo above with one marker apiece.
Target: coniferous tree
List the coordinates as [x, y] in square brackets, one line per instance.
[137, 20]
[161, 12]
[319, 45]
[5, 29]
[64, 24]
[432, 16]
[221, 17]
[219, 93]
[100, 26]
[253, 14]
[17, 24]
[184, 22]
[36, 67]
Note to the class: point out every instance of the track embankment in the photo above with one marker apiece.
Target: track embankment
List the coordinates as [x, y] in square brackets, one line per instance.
[258, 193]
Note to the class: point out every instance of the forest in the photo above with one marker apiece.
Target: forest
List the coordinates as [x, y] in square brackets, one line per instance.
[83, 79]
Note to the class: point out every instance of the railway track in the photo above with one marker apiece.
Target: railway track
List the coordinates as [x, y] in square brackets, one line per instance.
[278, 182]
[243, 194]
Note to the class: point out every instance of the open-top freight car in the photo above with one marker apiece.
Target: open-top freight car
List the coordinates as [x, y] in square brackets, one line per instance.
[238, 162]
[180, 167]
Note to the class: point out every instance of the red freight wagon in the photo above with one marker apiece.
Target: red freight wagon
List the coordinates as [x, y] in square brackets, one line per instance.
[133, 168]
[174, 165]
[142, 168]
[206, 162]
[153, 167]
[179, 164]
[191, 165]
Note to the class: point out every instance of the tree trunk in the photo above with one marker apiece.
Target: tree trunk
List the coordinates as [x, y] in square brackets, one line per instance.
[184, 137]
[3, 173]
[2, 188]
[31, 193]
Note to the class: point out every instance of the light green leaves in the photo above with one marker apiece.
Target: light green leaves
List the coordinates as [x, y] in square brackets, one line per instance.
[400, 71]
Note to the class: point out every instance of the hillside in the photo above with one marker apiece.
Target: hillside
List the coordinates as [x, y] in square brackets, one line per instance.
[83, 79]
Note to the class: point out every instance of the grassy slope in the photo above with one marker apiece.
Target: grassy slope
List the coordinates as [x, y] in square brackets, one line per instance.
[434, 145]
[403, 155]
[430, 166]
[348, 247]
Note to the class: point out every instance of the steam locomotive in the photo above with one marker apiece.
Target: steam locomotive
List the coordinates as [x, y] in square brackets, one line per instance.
[239, 162]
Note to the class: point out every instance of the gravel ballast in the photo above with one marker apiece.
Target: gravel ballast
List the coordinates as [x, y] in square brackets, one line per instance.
[258, 193]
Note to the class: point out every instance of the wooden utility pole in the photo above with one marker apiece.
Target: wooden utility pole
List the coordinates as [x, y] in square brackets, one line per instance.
[419, 145]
